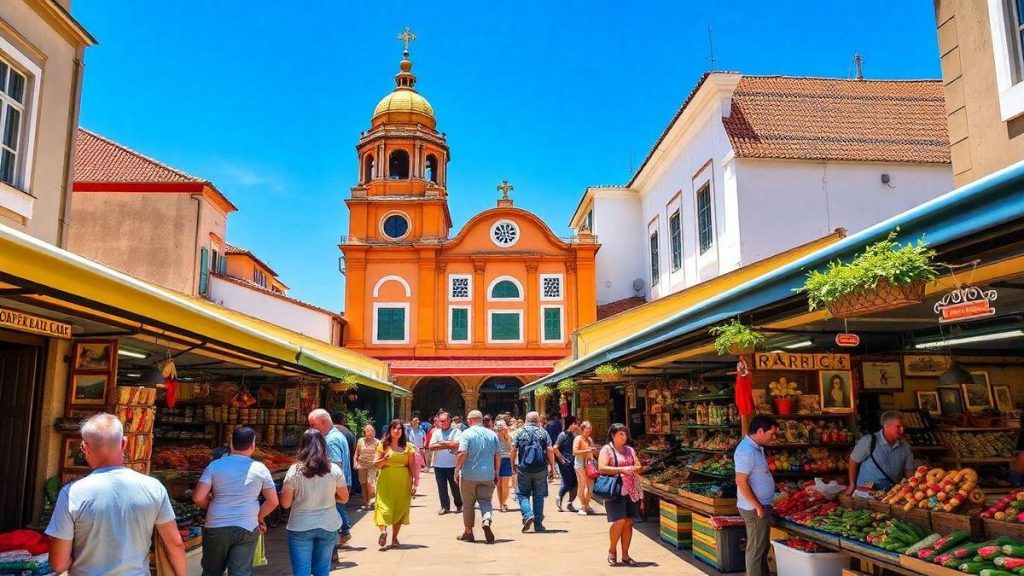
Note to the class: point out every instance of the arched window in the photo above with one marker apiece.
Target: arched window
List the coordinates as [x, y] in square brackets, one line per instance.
[368, 167]
[398, 165]
[431, 173]
[504, 290]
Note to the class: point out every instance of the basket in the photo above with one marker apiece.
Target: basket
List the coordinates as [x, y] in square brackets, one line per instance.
[884, 296]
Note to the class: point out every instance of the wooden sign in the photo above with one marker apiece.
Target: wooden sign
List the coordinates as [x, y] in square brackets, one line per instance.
[966, 303]
[35, 324]
[789, 361]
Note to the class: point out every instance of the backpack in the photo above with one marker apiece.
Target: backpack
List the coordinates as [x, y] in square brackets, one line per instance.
[533, 456]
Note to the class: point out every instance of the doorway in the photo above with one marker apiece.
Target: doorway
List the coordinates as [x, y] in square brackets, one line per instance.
[499, 395]
[19, 400]
[433, 394]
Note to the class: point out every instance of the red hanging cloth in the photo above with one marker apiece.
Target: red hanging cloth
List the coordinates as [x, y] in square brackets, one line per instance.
[744, 388]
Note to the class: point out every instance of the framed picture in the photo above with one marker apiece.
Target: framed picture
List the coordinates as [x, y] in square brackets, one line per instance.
[653, 424]
[882, 376]
[951, 400]
[88, 389]
[72, 456]
[929, 400]
[809, 404]
[924, 364]
[836, 391]
[631, 396]
[94, 355]
[978, 395]
[1004, 400]
[656, 400]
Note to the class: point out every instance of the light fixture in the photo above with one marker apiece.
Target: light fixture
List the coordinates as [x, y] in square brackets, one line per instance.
[799, 344]
[955, 375]
[133, 374]
[969, 339]
[131, 353]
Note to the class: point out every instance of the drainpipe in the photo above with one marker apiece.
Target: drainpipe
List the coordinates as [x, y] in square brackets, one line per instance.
[64, 215]
[195, 248]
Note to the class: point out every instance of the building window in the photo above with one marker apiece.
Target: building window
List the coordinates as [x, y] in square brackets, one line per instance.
[214, 261]
[13, 86]
[368, 167]
[506, 326]
[458, 324]
[504, 233]
[675, 233]
[395, 226]
[589, 220]
[259, 278]
[551, 324]
[705, 221]
[431, 172]
[398, 165]
[550, 286]
[654, 259]
[505, 290]
[459, 287]
[390, 323]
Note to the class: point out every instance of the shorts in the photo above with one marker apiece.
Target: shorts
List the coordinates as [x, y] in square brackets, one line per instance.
[579, 463]
[368, 475]
[505, 471]
[621, 509]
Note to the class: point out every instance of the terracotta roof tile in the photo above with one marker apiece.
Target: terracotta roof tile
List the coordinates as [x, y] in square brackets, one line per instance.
[230, 250]
[835, 119]
[98, 159]
[613, 308]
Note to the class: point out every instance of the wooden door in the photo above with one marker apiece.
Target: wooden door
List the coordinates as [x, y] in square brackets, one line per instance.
[18, 398]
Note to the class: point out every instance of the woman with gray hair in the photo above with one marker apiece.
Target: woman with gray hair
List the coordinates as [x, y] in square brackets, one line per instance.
[505, 469]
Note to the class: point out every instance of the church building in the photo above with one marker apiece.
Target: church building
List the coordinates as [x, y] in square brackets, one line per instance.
[464, 319]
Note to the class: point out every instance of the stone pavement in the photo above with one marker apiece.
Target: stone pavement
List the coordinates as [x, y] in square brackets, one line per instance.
[573, 544]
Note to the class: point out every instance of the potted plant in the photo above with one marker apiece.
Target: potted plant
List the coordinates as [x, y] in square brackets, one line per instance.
[609, 372]
[542, 391]
[567, 386]
[735, 338]
[886, 275]
[782, 392]
[349, 382]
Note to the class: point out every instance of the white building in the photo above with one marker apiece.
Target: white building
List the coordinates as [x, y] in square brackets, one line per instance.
[751, 166]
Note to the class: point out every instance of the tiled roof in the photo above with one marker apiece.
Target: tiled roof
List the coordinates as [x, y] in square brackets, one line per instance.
[99, 159]
[613, 308]
[231, 250]
[836, 119]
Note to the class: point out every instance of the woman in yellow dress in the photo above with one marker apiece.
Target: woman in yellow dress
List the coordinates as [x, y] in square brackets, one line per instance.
[396, 461]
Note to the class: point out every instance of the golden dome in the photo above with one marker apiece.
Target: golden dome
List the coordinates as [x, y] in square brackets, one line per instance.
[404, 101]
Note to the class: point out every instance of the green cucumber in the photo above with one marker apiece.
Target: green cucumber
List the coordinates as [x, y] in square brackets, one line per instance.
[926, 542]
[1017, 551]
[950, 540]
[995, 572]
[973, 567]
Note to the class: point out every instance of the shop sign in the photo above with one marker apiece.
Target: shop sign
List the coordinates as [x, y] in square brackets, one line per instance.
[966, 303]
[790, 361]
[35, 324]
[847, 340]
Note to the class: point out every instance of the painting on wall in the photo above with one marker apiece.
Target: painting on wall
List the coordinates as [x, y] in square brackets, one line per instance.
[882, 376]
[924, 364]
[88, 389]
[836, 391]
[978, 394]
[928, 400]
[1004, 400]
[951, 400]
[93, 355]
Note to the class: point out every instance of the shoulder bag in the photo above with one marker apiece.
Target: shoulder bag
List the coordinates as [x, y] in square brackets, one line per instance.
[608, 487]
[874, 444]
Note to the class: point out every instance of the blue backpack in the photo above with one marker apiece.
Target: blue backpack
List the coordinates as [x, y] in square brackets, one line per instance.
[533, 457]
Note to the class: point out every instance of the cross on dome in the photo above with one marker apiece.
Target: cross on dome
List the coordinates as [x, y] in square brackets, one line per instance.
[505, 188]
[407, 37]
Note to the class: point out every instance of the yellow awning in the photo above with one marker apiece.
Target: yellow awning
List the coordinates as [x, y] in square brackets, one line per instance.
[35, 263]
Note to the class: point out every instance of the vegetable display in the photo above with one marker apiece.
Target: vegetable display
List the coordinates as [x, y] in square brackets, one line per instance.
[936, 489]
[1009, 509]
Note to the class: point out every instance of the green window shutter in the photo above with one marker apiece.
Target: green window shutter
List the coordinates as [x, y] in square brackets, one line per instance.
[505, 289]
[223, 265]
[391, 324]
[460, 324]
[504, 326]
[204, 271]
[552, 324]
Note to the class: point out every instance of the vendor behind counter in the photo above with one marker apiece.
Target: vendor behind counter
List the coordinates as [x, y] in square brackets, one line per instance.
[882, 458]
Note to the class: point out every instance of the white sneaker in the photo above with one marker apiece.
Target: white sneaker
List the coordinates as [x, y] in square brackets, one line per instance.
[582, 512]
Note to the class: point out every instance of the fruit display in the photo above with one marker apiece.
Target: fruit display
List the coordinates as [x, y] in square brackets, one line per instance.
[997, 557]
[936, 489]
[653, 443]
[804, 545]
[712, 414]
[184, 458]
[812, 432]
[711, 464]
[801, 498]
[714, 441]
[1009, 509]
[274, 460]
[725, 489]
[671, 475]
[816, 460]
[982, 444]
[923, 438]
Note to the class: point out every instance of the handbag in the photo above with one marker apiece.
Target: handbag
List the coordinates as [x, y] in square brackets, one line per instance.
[591, 468]
[259, 555]
[608, 487]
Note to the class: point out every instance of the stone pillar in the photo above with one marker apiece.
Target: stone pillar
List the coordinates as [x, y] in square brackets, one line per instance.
[479, 303]
[406, 408]
[471, 398]
[355, 301]
[426, 303]
[531, 318]
[542, 404]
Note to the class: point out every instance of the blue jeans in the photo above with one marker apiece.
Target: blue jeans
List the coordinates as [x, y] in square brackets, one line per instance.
[311, 551]
[345, 526]
[532, 485]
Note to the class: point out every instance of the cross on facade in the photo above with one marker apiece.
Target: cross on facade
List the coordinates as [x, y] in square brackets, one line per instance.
[505, 188]
[406, 37]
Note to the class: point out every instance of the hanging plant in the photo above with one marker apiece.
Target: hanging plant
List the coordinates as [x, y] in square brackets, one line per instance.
[608, 372]
[543, 391]
[348, 382]
[886, 275]
[736, 338]
[568, 386]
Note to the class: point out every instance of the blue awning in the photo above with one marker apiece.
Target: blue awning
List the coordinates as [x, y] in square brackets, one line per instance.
[983, 204]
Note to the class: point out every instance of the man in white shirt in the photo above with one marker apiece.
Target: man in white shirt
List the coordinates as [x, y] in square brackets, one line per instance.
[444, 443]
[103, 524]
[229, 490]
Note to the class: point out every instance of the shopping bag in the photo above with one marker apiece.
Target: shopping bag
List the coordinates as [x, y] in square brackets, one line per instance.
[259, 556]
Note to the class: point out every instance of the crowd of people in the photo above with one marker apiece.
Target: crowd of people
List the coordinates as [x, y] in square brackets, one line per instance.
[470, 461]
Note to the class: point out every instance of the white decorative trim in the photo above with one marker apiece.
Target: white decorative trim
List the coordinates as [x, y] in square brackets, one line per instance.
[451, 285]
[469, 325]
[518, 233]
[561, 325]
[399, 279]
[28, 137]
[408, 222]
[16, 201]
[1005, 50]
[561, 287]
[490, 326]
[378, 305]
[518, 284]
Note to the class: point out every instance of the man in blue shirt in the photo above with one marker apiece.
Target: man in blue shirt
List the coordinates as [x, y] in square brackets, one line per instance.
[887, 462]
[755, 490]
[337, 448]
[476, 468]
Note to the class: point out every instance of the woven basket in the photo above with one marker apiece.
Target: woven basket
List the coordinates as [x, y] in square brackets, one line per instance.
[884, 296]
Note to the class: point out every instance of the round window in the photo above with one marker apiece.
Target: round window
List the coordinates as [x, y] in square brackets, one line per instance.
[504, 233]
[395, 226]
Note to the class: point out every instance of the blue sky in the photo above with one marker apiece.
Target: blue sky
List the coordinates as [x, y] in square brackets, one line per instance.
[267, 99]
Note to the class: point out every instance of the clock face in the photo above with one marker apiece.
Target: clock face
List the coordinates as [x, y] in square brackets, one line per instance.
[504, 233]
[395, 226]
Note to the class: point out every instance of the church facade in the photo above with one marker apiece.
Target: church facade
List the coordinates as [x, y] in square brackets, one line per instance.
[464, 319]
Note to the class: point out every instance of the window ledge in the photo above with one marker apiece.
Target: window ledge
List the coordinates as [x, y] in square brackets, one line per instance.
[16, 201]
[1011, 102]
